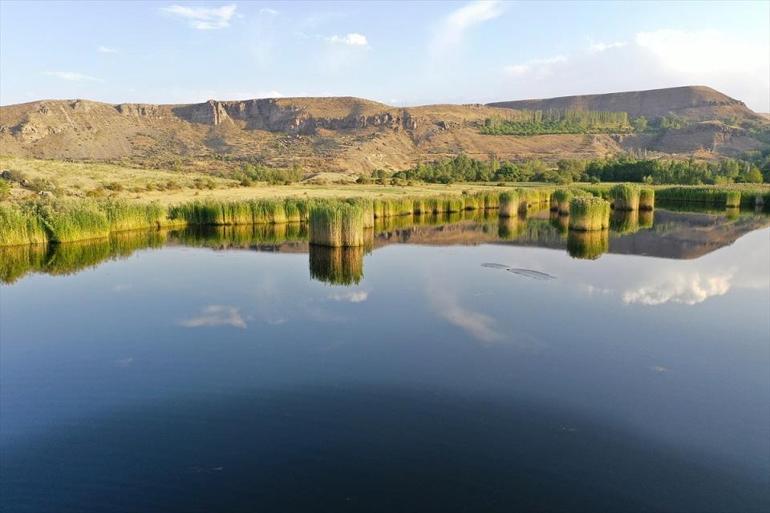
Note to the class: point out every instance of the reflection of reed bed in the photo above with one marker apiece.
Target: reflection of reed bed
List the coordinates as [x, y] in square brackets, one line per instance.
[18, 261]
[624, 222]
[625, 197]
[509, 204]
[336, 224]
[732, 213]
[560, 222]
[510, 227]
[337, 265]
[241, 236]
[588, 245]
[71, 257]
[646, 219]
[589, 213]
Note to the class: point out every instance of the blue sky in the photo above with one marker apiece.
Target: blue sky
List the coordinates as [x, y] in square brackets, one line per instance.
[399, 53]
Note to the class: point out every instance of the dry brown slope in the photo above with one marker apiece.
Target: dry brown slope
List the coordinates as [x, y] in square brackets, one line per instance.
[696, 103]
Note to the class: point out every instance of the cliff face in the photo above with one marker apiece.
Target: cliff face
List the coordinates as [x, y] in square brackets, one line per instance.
[351, 134]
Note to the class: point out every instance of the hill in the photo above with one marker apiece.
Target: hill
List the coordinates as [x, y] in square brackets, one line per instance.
[693, 103]
[355, 135]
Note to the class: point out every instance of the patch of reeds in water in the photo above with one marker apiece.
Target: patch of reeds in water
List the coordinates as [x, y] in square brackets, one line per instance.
[20, 226]
[646, 198]
[589, 213]
[625, 197]
[336, 224]
[712, 196]
[509, 204]
[337, 265]
[588, 245]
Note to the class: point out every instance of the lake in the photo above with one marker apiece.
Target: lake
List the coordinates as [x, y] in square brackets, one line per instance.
[457, 363]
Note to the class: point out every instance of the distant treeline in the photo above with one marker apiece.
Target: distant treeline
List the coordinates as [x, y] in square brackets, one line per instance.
[532, 122]
[621, 169]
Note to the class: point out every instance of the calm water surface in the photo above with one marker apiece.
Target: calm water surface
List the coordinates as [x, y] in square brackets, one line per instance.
[410, 378]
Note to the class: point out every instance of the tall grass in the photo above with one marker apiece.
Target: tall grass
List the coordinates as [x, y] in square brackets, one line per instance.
[625, 197]
[589, 213]
[74, 221]
[134, 216]
[337, 224]
[646, 198]
[19, 227]
[509, 204]
[733, 199]
[711, 196]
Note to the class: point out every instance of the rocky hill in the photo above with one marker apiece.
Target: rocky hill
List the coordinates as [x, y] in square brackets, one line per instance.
[352, 134]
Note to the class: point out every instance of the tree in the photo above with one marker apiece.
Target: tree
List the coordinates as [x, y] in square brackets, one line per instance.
[639, 124]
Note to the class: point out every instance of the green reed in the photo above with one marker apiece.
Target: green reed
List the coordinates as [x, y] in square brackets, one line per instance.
[509, 204]
[646, 198]
[20, 226]
[625, 196]
[337, 224]
[589, 213]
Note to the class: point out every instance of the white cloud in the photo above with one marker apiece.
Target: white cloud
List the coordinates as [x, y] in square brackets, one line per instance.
[269, 11]
[72, 76]
[106, 49]
[351, 296]
[452, 29]
[732, 64]
[204, 18]
[540, 67]
[216, 315]
[597, 47]
[351, 39]
[684, 288]
[705, 51]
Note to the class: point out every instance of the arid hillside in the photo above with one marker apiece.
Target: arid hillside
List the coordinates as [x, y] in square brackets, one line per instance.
[355, 135]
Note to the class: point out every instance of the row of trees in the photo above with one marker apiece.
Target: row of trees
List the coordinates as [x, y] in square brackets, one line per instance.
[531, 122]
[622, 169]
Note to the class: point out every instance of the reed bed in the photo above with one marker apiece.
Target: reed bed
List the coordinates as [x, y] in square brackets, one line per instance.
[509, 204]
[710, 196]
[473, 202]
[20, 227]
[588, 245]
[367, 206]
[491, 200]
[646, 198]
[337, 265]
[625, 197]
[74, 221]
[134, 216]
[733, 199]
[336, 224]
[589, 213]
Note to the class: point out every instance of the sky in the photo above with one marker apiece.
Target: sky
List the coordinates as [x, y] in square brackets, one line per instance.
[398, 53]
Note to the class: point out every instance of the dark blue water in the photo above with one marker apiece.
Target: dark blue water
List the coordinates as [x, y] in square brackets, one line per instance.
[187, 379]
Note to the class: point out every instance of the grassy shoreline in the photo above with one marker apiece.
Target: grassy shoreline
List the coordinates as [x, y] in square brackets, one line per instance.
[67, 220]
